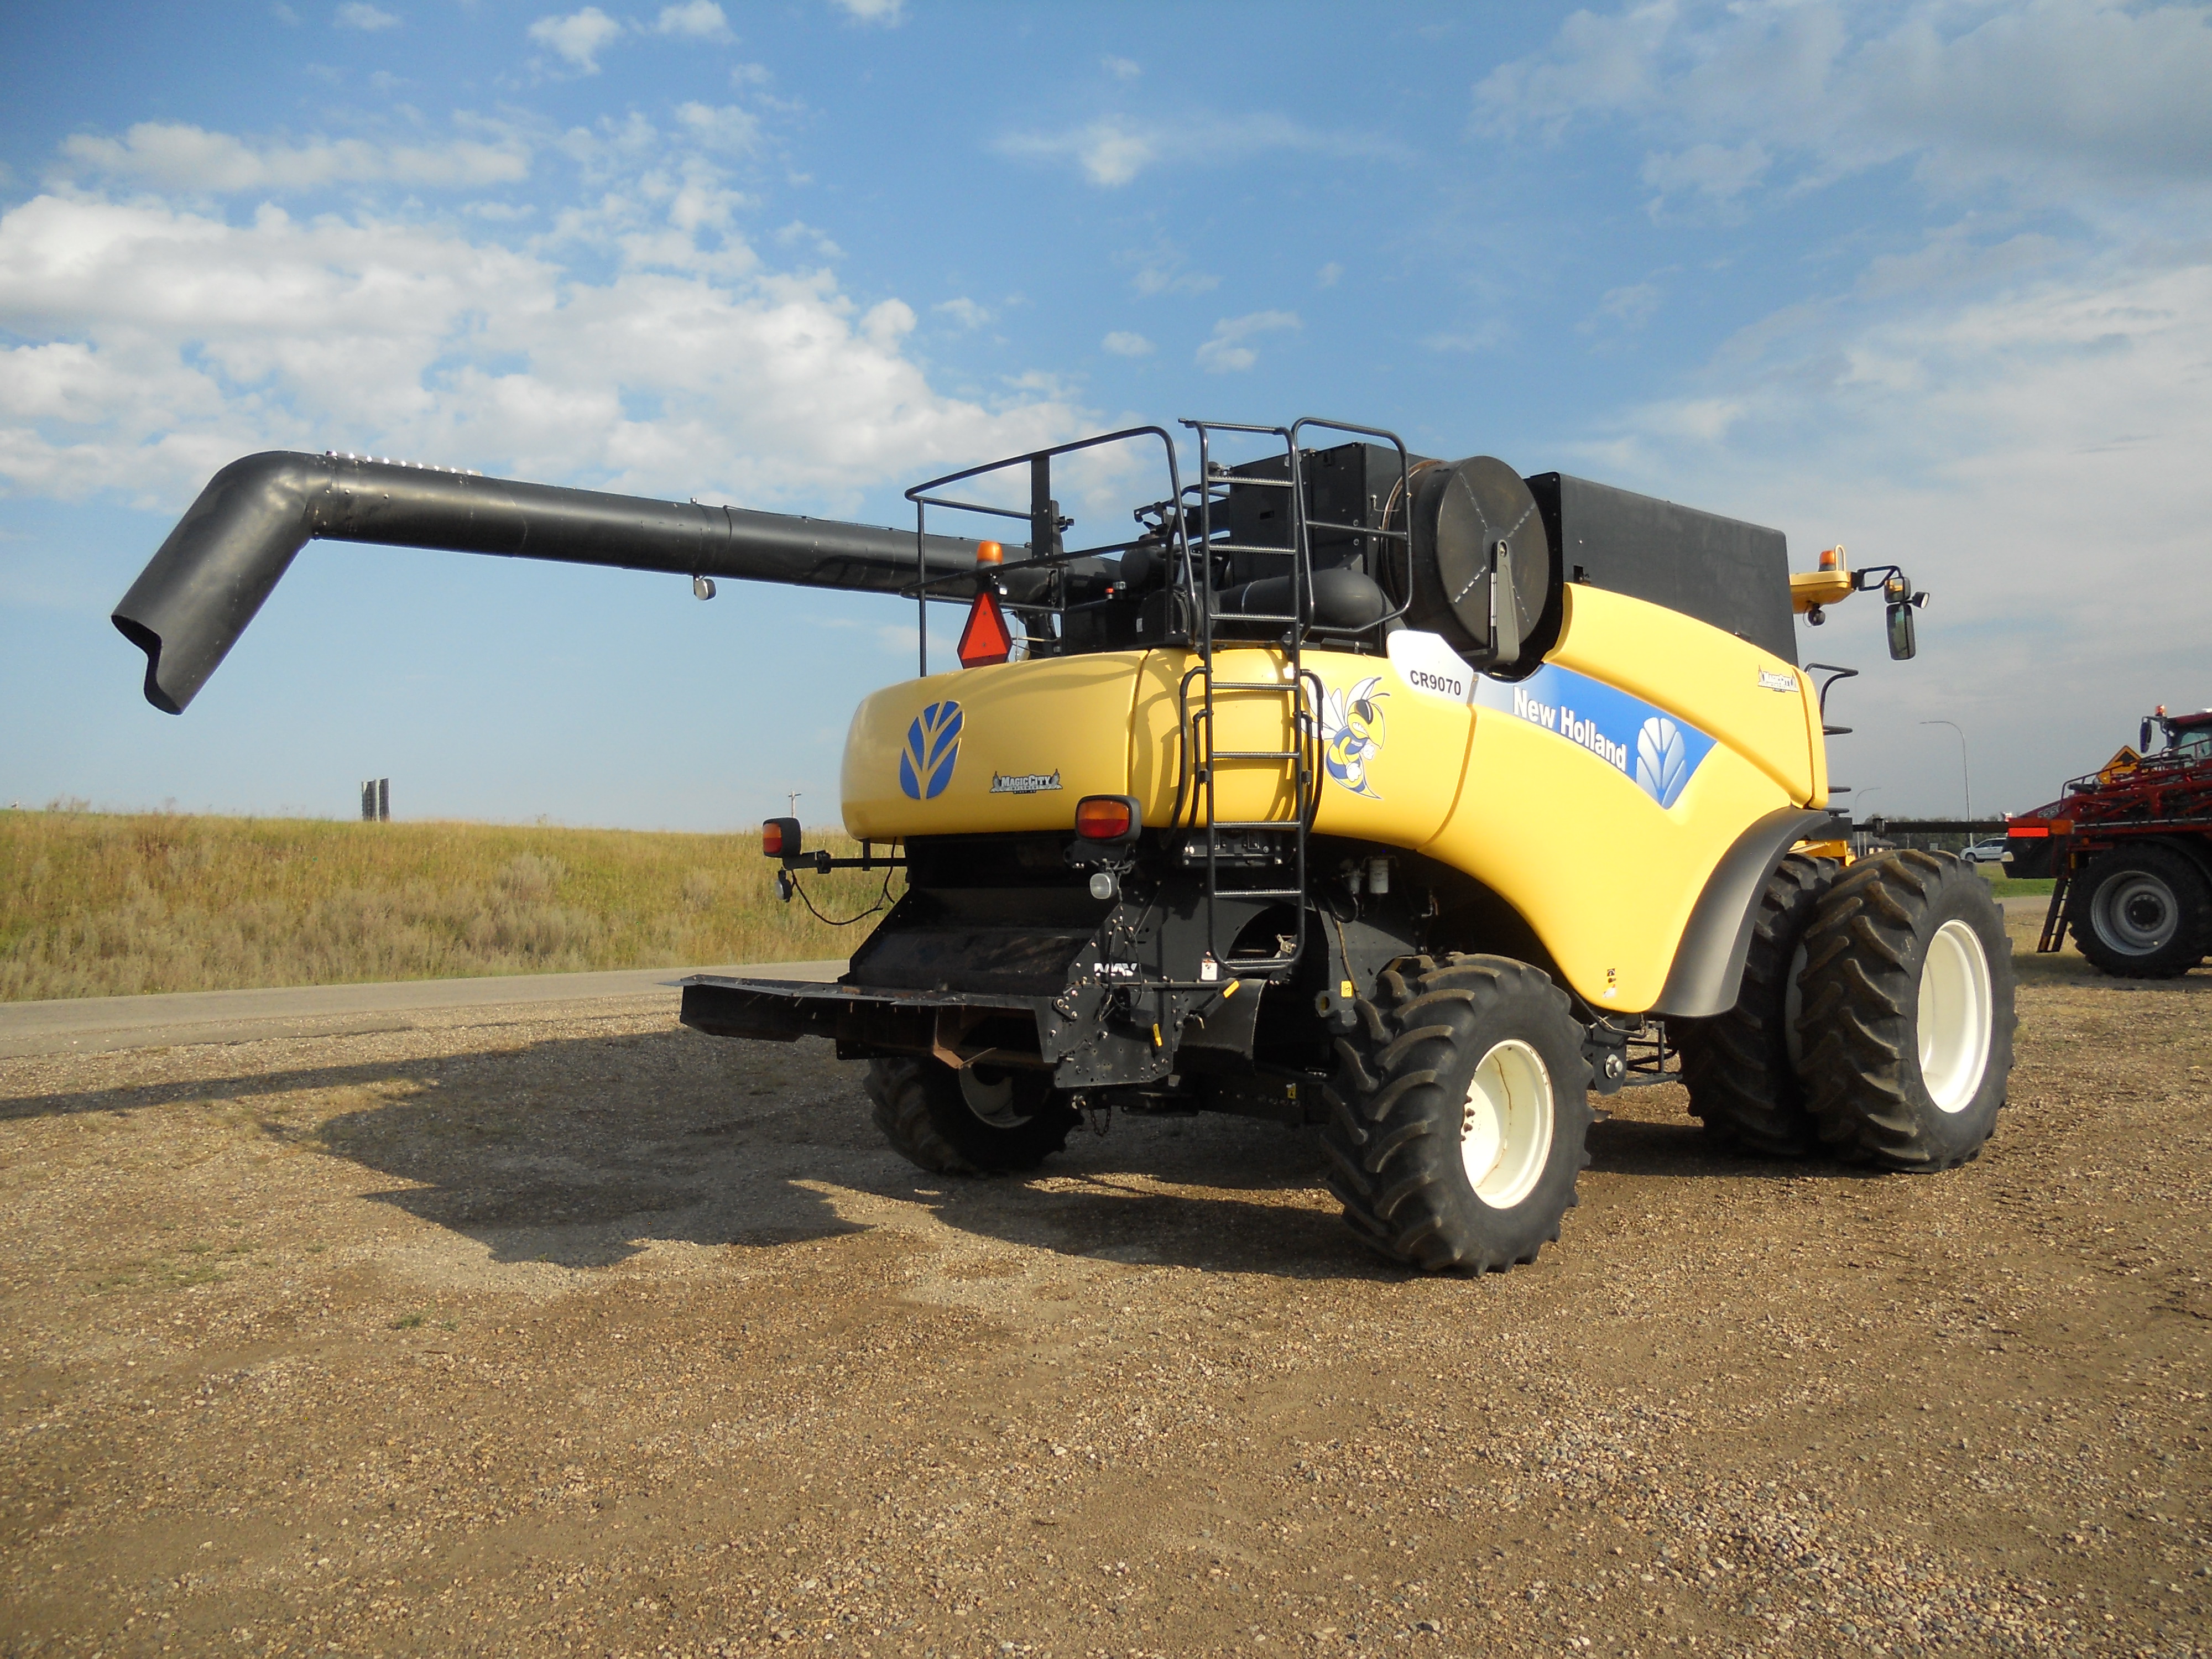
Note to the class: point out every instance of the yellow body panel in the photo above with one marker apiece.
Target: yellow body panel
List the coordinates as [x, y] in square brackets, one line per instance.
[1064, 719]
[1753, 702]
[1408, 776]
[1596, 797]
[1605, 875]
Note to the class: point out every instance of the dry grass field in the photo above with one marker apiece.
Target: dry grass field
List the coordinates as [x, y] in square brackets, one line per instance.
[94, 904]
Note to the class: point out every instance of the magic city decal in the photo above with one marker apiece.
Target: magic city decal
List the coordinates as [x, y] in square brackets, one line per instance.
[1023, 783]
[933, 744]
[1660, 753]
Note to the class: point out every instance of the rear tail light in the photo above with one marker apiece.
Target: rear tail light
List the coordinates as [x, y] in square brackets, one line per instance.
[1108, 817]
[779, 838]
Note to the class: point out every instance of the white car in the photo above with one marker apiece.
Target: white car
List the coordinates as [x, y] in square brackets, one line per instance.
[1992, 851]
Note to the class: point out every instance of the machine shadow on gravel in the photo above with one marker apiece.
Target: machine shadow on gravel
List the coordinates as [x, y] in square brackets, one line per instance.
[579, 1151]
[1683, 1150]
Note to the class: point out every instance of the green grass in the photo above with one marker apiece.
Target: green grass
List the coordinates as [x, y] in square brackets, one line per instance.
[94, 904]
[2006, 887]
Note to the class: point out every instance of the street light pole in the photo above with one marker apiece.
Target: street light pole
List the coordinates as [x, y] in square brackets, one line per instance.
[1964, 774]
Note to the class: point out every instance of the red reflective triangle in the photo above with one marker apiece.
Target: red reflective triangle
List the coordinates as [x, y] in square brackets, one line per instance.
[986, 638]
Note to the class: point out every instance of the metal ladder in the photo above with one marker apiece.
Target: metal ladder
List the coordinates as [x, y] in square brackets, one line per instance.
[1298, 689]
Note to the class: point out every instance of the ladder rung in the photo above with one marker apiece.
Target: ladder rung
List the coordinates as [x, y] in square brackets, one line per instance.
[1229, 481]
[1220, 825]
[1254, 754]
[1280, 686]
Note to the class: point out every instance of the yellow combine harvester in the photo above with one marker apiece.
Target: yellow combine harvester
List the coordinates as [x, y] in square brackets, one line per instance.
[1409, 799]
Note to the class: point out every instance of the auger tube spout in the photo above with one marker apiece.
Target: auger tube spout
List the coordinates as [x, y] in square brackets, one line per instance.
[203, 585]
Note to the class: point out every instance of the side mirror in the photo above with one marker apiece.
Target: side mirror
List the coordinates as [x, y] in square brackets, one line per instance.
[1902, 599]
[1902, 646]
[2143, 740]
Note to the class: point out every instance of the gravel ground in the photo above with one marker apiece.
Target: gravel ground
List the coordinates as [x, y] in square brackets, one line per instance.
[562, 1330]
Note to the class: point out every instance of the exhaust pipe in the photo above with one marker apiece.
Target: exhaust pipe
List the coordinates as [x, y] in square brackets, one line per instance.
[200, 590]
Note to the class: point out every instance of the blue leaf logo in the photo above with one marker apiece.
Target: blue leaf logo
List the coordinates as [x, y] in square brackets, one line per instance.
[933, 744]
[1663, 761]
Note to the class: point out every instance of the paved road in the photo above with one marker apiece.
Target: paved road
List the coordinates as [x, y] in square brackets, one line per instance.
[90, 1024]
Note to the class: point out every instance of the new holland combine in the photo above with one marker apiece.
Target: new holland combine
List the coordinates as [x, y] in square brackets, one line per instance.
[1412, 799]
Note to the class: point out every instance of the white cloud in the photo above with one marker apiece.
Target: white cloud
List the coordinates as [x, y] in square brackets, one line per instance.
[698, 19]
[159, 341]
[724, 127]
[174, 156]
[1226, 352]
[799, 232]
[578, 38]
[1160, 269]
[888, 13]
[1113, 151]
[1717, 172]
[1123, 344]
[2042, 97]
[359, 14]
[1329, 275]
[2033, 456]
[1484, 337]
[964, 312]
[1629, 307]
[1121, 69]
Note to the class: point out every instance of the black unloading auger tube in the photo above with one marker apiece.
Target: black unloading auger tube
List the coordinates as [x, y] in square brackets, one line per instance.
[197, 593]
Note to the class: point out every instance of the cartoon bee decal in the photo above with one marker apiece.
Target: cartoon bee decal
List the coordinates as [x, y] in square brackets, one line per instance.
[1352, 733]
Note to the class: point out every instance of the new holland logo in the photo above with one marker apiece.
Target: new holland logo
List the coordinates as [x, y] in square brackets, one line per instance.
[1023, 783]
[933, 744]
[1659, 752]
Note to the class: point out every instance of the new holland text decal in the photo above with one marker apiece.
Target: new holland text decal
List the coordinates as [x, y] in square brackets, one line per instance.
[1659, 752]
[933, 744]
[1352, 733]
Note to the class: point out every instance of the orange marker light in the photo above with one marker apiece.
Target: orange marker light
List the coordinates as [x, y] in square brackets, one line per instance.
[990, 553]
[1832, 558]
[1106, 818]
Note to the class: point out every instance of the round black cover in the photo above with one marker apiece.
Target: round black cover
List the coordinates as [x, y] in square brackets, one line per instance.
[1462, 511]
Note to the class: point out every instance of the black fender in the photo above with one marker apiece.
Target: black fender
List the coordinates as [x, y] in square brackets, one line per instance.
[1709, 961]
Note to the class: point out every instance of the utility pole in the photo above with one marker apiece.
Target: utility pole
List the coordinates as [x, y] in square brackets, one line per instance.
[1964, 776]
[793, 795]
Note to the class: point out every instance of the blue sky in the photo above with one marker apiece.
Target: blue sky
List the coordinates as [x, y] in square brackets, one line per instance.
[1933, 280]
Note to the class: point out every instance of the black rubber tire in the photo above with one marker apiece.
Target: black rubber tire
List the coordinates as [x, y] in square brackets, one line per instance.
[921, 1109]
[2161, 877]
[1398, 1100]
[1737, 1066]
[1865, 956]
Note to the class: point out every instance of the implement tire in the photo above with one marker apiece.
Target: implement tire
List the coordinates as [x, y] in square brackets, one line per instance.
[1740, 1068]
[1908, 1012]
[2142, 911]
[1458, 1116]
[966, 1122]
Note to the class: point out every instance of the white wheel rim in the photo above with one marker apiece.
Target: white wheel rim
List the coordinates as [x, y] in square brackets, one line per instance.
[1505, 1127]
[2135, 914]
[994, 1102]
[1955, 1015]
